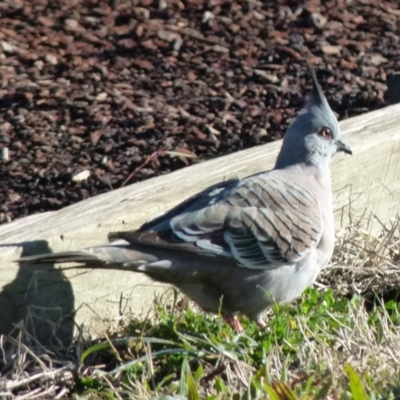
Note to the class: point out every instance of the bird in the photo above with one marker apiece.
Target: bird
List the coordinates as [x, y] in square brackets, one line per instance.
[241, 245]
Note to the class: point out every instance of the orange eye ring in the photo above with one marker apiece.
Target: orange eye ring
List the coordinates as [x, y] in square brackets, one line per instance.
[326, 132]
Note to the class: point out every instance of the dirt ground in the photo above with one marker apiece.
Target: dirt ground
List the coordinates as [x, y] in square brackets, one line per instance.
[97, 86]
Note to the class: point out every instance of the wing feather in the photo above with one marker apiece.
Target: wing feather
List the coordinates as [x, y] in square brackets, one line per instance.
[261, 222]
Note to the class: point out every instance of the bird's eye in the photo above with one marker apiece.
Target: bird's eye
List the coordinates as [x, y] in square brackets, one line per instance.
[326, 132]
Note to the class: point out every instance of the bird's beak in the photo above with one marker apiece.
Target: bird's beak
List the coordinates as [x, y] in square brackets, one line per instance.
[341, 146]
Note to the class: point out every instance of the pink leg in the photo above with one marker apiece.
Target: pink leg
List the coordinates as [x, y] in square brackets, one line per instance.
[261, 324]
[234, 323]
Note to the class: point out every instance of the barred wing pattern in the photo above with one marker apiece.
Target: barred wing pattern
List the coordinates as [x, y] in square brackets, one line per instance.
[262, 222]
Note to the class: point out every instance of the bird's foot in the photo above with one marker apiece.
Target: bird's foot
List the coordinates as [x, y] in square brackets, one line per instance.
[234, 323]
[261, 324]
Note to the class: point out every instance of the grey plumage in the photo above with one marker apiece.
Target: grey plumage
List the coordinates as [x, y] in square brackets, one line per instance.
[240, 245]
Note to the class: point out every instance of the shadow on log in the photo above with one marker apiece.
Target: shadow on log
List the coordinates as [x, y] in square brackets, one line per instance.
[40, 299]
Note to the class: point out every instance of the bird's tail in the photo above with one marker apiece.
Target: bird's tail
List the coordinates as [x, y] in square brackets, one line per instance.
[81, 257]
[144, 252]
[116, 255]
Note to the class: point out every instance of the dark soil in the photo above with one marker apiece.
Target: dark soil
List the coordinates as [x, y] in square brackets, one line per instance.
[98, 86]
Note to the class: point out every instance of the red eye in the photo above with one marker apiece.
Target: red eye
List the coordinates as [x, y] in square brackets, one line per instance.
[326, 132]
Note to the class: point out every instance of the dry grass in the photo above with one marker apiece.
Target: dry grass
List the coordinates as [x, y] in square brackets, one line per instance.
[358, 323]
[31, 371]
[364, 263]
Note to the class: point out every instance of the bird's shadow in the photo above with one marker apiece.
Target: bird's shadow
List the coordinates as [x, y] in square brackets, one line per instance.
[39, 301]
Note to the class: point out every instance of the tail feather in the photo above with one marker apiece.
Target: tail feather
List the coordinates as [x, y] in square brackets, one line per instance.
[147, 253]
[109, 256]
[62, 257]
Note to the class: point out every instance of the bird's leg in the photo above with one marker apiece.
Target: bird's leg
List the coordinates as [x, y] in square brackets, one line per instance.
[234, 323]
[258, 319]
[261, 324]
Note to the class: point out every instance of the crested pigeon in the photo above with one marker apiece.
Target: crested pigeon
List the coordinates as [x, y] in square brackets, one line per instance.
[242, 244]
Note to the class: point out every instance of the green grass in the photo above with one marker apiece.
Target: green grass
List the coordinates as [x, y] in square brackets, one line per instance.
[322, 347]
[340, 340]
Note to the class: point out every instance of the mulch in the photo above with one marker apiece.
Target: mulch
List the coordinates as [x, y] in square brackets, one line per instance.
[91, 88]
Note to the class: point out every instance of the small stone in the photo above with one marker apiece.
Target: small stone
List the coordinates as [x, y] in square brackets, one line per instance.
[143, 12]
[374, 59]
[4, 154]
[101, 96]
[51, 59]
[177, 44]
[39, 64]
[162, 4]
[7, 47]
[144, 64]
[127, 43]
[334, 26]
[80, 176]
[317, 20]
[14, 197]
[262, 132]
[71, 23]
[167, 36]
[207, 16]
[331, 50]
[149, 44]
[28, 96]
[45, 21]
[234, 28]
[220, 49]
[258, 16]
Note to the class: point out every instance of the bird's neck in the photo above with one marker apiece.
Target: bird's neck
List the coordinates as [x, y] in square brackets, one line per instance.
[290, 156]
[307, 166]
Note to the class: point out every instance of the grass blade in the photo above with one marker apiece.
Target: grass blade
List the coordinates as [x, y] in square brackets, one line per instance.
[356, 384]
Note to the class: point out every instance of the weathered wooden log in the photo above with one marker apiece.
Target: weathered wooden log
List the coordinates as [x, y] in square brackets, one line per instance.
[369, 180]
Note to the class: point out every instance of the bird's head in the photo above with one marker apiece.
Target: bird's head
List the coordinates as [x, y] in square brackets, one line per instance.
[315, 135]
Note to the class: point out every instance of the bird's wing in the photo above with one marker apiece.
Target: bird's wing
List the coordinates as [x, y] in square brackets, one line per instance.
[263, 221]
[208, 196]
